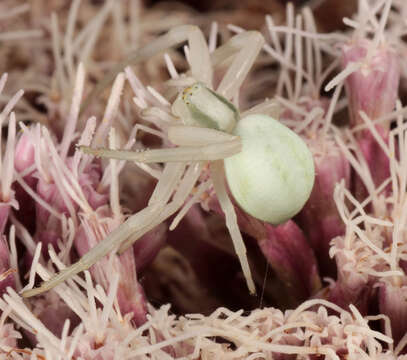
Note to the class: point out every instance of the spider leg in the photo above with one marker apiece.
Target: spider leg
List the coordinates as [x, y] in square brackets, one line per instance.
[183, 135]
[209, 152]
[107, 245]
[249, 44]
[184, 189]
[199, 61]
[168, 182]
[218, 180]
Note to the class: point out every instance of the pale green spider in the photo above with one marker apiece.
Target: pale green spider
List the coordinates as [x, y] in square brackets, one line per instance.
[269, 169]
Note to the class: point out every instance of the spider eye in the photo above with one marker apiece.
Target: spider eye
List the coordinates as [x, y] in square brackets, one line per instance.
[200, 106]
[272, 177]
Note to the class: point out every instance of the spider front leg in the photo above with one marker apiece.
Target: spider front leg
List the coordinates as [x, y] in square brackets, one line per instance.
[199, 60]
[186, 153]
[200, 144]
[244, 48]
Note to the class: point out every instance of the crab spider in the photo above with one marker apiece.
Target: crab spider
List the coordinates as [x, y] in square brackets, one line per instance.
[212, 132]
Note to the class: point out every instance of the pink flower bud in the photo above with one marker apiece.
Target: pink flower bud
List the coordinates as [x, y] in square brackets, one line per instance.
[89, 181]
[319, 218]
[373, 88]
[24, 153]
[286, 250]
[130, 294]
[290, 256]
[48, 226]
[393, 303]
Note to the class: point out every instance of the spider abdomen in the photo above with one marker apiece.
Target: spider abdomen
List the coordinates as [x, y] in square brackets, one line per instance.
[272, 177]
